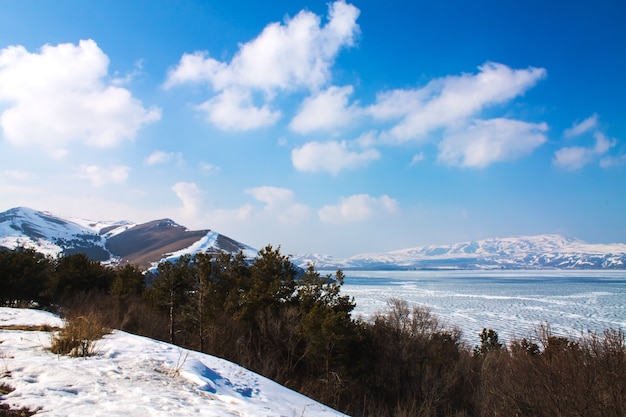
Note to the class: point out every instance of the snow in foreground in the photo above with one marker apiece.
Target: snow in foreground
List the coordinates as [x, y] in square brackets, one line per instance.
[134, 376]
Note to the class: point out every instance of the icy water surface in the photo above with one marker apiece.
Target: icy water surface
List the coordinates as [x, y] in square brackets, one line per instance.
[513, 303]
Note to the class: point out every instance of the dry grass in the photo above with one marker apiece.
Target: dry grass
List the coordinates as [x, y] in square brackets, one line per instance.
[31, 328]
[79, 336]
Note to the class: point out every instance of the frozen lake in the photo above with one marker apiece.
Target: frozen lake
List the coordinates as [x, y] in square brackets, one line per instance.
[513, 303]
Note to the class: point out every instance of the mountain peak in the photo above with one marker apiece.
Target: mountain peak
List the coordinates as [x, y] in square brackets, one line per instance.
[107, 241]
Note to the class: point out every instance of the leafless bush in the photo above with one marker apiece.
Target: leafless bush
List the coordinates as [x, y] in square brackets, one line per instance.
[550, 375]
[79, 336]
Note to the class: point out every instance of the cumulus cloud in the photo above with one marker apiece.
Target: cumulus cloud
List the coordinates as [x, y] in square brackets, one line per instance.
[357, 208]
[488, 141]
[281, 204]
[573, 157]
[233, 109]
[578, 129]
[288, 56]
[331, 157]
[448, 102]
[603, 144]
[576, 157]
[190, 196]
[325, 111]
[100, 176]
[60, 94]
[161, 157]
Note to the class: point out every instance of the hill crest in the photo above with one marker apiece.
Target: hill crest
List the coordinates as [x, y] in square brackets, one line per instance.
[115, 242]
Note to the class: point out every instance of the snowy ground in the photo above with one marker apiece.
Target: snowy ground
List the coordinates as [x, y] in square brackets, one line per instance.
[134, 376]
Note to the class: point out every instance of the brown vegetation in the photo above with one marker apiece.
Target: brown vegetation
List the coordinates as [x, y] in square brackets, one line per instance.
[79, 335]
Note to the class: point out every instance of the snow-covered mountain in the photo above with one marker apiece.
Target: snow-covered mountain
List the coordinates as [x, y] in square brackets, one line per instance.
[133, 376]
[113, 241]
[148, 243]
[524, 252]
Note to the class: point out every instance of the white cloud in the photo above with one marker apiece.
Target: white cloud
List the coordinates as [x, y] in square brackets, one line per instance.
[209, 168]
[325, 111]
[190, 196]
[99, 176]
[613, 161]
[488, 141]
[576, 157]
[231, 216]
[357, 208]
[603, 144]
[331, 157]
[281, 204]
[586, 125]
[60, 95]
[284, 57]
[18, 175]
[417, 158]
[448, 102]
[129, 77]
[573, 157]
[233, 109]
[161, 157]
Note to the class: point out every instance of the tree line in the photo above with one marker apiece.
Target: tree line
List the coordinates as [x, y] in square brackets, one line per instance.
[296, 328]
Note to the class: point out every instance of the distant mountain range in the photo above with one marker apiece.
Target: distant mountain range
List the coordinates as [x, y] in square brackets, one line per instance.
[146, 244]
[524, 252]
[116, 242]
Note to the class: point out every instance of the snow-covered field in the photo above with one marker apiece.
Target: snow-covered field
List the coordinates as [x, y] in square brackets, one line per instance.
[513, 303]
[134, 376]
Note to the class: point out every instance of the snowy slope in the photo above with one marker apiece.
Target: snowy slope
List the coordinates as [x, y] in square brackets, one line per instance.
[49, 234]
[135, 376]
[542, 251]
[208, 243]
[109, 241]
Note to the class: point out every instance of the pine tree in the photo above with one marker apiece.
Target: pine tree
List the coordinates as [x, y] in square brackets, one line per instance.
[171, 288]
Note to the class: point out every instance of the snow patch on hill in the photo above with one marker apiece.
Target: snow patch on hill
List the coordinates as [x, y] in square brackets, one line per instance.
[134, 376]
[45, 232]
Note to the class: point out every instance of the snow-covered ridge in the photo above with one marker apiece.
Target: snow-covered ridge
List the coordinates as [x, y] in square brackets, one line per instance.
[542, 251]
[207, 244]
[47, 233]
[109, 241]
[134, 376]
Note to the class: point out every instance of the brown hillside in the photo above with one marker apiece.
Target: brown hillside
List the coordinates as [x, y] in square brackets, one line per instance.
[149, 242]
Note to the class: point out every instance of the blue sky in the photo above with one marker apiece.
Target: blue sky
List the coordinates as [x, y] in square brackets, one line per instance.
[336, 128]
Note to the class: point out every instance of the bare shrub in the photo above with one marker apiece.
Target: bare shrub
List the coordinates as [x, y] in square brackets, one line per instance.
[418, 366]
[79, 336]
[551, 375]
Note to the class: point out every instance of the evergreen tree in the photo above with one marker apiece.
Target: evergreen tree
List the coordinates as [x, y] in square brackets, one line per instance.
[76, 274]
[24, 275]
[171, 288]
[272, 283]
[129, 282]
[488, 343]
[203, 287]
[327, 326]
